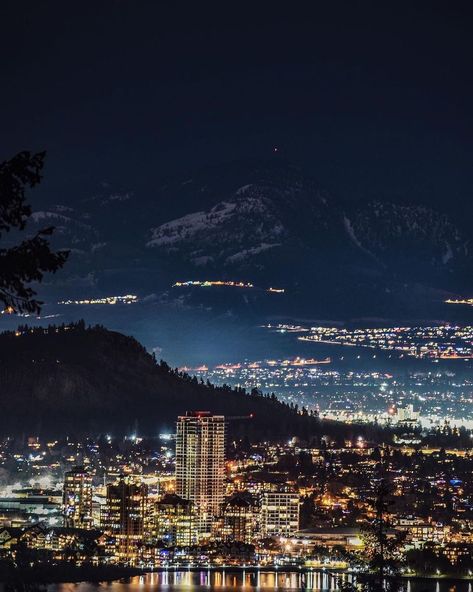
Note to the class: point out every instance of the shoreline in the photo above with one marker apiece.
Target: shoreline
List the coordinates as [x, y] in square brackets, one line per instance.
[60, 574]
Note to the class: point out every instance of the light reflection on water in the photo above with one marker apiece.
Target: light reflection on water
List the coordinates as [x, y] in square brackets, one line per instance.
[319, 581]
[209, 579]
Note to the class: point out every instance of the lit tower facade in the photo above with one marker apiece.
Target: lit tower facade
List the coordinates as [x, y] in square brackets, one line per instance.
[174, 521]
[125, 518]
[240, 515]
[77, 498]
[200, 462]
[279, 513]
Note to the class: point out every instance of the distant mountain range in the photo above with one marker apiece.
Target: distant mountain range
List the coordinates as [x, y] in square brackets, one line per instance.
[273, 225]
[250, 230]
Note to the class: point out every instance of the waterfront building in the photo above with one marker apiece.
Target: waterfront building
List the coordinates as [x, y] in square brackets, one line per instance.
[174, 521]
[279, 513]
[77, 498]
[305, 541]
[240, 514]
[126, 518]
[29, 506]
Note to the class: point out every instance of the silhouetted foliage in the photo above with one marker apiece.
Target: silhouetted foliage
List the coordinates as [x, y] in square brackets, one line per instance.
[91, 379]
[32, 257]
[382, 545]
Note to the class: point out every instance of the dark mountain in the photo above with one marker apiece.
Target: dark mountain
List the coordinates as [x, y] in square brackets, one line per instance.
[283, 220]
[271, 224]
[73, 379]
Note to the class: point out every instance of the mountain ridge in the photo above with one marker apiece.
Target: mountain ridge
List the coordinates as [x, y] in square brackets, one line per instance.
[87, 380]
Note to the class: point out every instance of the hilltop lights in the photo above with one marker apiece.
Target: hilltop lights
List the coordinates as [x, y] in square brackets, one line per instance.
[126, 299]
[222, 283]
[468, 301]
[209, 284]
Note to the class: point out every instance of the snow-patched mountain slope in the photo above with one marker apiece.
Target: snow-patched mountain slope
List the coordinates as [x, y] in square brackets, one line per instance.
[256, 218]
[297, 218]
[188, 227]
[70, 231]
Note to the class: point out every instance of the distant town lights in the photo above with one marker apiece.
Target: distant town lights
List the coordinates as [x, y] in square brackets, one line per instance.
[126, 299]
[223, 283]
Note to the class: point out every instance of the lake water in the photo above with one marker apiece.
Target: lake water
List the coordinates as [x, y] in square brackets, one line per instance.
[243, 580]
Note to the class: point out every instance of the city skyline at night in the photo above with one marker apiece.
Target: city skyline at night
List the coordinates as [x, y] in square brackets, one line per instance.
[236, 323]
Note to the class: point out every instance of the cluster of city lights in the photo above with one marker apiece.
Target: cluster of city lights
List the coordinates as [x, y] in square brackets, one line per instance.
[442, 342]
[142, 504]
[363, 394]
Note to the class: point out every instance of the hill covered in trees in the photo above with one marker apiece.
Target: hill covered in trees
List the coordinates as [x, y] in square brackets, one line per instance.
[78, 379]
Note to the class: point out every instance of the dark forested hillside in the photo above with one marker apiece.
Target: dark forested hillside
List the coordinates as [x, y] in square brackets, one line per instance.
[74, 379]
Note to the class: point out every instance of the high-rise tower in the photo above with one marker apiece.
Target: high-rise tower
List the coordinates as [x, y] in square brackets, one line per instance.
[200, 461]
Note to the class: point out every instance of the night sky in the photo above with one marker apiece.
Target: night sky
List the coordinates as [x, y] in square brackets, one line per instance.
[374, 99]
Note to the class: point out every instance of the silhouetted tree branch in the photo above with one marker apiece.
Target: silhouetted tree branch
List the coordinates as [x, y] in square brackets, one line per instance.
[29, 260]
